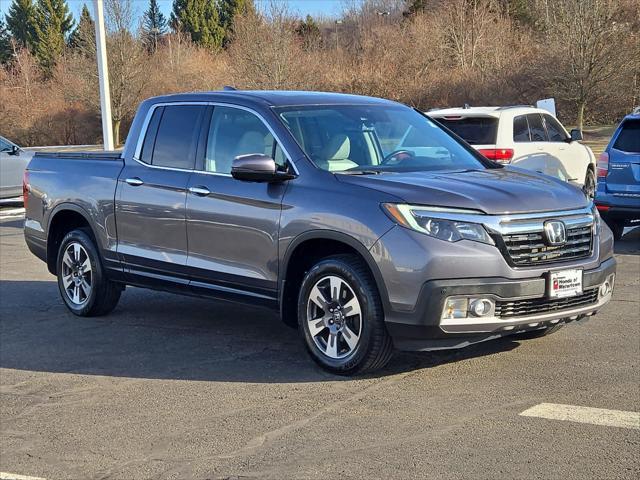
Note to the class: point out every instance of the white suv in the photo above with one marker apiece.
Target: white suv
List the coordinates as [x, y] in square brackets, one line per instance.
[525, 136]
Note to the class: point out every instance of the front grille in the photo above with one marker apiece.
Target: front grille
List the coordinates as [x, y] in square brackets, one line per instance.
[535, 306]
[528, 249]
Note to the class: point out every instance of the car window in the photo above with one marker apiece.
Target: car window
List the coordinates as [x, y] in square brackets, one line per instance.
[4, 146]
[521, 129]
[536, 128]
[474, 130]
[348, 138]
[150, 137]
[175, 143]
[629, 138]
[554, 129]
[234, 132]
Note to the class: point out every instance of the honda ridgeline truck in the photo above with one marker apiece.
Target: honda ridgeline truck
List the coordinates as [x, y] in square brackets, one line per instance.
[364, 223]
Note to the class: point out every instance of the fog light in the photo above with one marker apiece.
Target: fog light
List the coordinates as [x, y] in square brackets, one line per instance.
[607, 287]
[456, 308]
[481, 307]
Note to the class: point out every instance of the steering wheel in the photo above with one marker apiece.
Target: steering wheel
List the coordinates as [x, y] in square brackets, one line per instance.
[398, 156]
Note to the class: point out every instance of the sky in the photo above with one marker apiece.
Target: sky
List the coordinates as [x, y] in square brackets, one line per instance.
[327, 8]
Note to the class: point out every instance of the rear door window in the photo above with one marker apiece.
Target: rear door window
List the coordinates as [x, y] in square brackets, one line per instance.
[474, 130]
[629, 138]
[554, 129]
[536, 128]
[521, 129]
[177, 137]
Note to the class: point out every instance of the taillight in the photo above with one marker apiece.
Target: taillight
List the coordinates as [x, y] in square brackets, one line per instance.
[503, 155]
[25, 188]
[603, 165]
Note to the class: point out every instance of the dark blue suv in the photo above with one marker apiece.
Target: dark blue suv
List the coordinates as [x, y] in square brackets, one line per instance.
[618, 194]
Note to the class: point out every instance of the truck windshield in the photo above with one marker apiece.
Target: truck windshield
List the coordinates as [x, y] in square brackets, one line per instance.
[374, 138]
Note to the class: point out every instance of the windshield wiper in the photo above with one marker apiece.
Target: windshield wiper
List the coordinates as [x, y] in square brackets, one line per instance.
[360, 172]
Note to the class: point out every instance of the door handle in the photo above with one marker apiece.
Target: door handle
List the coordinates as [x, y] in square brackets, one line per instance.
[134, 182]
[200, 191]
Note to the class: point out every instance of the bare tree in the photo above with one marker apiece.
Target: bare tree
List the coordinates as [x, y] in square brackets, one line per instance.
[587, 43]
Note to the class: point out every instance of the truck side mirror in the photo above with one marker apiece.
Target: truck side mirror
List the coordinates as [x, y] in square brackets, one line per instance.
[257, 167]
[576, 135]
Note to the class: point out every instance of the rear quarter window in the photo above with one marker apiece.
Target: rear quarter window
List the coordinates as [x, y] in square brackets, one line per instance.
[521, 129]
[629, 137]
[474, 130]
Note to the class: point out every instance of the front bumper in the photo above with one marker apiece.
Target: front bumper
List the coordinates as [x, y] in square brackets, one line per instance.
[424, 329]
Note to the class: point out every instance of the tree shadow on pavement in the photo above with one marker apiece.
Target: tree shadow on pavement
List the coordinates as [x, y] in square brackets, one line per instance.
[159, 335]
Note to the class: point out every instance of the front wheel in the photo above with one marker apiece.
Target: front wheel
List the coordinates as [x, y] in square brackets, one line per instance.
[341, 318]
[84, 288]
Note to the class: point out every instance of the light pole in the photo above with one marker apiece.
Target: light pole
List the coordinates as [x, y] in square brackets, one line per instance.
[103, 75]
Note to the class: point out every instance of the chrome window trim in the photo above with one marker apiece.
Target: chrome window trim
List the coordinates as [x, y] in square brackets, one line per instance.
[147, 120]
[508, 224]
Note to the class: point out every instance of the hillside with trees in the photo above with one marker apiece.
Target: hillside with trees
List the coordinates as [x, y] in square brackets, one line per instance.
[426, 53]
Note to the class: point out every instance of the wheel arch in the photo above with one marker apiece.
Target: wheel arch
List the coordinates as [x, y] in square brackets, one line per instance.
[65, 218]
[306, 250]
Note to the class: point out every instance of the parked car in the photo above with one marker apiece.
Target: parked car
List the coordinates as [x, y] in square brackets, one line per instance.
[363, 222]
[525, 136]
[13, 161]
[618, 195]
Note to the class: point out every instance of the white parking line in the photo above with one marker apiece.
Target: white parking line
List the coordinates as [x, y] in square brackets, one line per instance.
[15, 476]
[594, 416]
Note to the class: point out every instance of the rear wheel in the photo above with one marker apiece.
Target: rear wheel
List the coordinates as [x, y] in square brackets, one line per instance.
[341, 318]
[590, 185]
[617, 228]
[84, 288]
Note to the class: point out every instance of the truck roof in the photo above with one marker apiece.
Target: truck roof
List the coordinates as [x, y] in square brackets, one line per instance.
[275, 98]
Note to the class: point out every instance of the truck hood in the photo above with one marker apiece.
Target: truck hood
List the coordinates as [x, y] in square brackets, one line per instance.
[493, 191]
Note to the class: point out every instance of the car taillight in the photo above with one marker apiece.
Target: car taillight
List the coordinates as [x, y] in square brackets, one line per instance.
[603, 165]
[502, 155]
[25, 188]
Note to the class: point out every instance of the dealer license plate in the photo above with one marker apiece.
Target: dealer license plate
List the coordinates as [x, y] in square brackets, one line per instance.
[565, 283]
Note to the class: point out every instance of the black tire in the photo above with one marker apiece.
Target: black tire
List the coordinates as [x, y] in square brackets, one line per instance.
[104, 294]
[617, 229]
[374, 346]
[590, 184]
[543, 332]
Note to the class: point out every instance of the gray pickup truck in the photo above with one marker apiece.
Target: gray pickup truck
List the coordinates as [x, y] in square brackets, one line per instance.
[364, 223]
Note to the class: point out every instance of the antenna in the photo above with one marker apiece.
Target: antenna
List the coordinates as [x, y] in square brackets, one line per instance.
[229, 88]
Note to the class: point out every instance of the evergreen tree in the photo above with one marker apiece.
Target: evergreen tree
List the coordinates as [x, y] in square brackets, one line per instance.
[6, 51]
[228, 10]
[53, 23]
[309, 31]
[83, 37]
[415, 7]
[21, 21]
[154, 26]
[200, 20]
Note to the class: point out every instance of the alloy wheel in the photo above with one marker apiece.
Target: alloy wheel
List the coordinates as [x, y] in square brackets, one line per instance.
[77, 275]
[334, 317]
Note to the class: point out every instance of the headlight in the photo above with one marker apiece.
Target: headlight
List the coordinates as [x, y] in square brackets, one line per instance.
[596, 220]
[426, 220]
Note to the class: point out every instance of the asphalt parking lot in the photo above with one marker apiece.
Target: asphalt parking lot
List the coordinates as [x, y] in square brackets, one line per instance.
[173, 387]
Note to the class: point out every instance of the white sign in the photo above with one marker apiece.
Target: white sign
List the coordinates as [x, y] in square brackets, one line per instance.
[548, 104]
